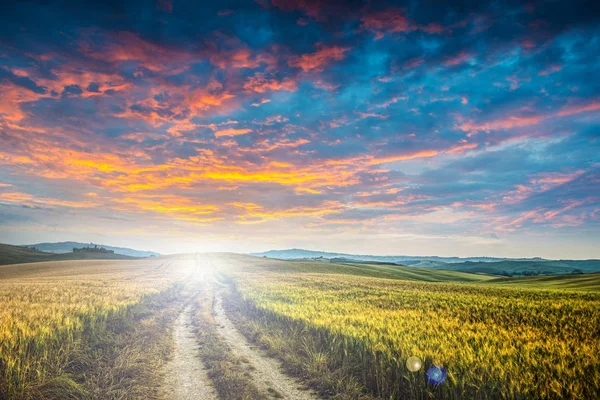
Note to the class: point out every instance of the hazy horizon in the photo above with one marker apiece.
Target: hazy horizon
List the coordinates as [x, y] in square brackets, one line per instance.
[376, 128]
[316, 249]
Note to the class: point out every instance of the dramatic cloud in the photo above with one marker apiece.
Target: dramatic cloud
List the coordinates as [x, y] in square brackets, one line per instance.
[382, 126]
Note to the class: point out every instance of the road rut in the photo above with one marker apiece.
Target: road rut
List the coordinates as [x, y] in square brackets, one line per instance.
[185, 377]
[267, 373]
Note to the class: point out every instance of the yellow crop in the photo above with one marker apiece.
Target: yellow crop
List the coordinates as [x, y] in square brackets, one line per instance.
[45, 306]
[493, 341]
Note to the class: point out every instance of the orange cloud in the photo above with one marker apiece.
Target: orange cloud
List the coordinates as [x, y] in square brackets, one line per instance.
[211, 96]
[256, 214]
[260, 83]
[33, 201]
[394, 21]
[391, 21]
[318, 60]
[232, 132]
[512, 122]
[127, 46]
[230, 52]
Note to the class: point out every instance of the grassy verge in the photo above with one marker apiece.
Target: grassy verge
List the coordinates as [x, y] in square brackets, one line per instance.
[305, 353]
[229, 373]
[119, 357]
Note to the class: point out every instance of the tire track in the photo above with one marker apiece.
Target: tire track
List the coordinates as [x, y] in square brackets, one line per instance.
[185, 377]
[267, 372]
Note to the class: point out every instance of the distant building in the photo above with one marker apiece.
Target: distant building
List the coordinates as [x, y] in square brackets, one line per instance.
[94, 249]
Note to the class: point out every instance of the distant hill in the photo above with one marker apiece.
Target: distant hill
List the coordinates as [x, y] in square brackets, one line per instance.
[478, 265]
[406, 260]
[394, 271]
[67, 247]
[577, 281]
[516, 267]
[16, 255]
[425, 264]
[246, 263]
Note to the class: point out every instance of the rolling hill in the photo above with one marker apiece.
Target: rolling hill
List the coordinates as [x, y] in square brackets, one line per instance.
[247, 263]
[481, 265]
[568, 282]
[420, 274]
[300, 253]
[67, 247]
[16, 255]
[541, 267]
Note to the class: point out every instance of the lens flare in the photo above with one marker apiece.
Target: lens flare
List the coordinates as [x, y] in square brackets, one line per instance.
[414, 363]
[436, 375]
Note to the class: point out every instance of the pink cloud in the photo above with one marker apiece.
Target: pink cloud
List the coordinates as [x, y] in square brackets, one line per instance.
[579, 108]
[457, 59]
[261, 83]
[413, 63]
[550, 69]
[511, 122]
[232, 132]
[390, 21]
[318, 60]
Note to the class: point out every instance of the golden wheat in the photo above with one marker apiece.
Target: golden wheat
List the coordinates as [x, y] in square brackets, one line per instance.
[43, 310]
[498, 342]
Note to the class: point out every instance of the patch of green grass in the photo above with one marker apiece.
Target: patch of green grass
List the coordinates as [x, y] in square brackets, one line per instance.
[420, 274]
[589, 282]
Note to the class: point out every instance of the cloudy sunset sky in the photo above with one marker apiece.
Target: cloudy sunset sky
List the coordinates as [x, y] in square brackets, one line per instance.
[421, 127]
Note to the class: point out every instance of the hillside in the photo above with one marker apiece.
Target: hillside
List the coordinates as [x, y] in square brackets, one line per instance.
[542, 267]
[16, 255]
[67, 247]
[420, 274]
[247, 263]
[570, 282]
[478, 265]
[300, 253]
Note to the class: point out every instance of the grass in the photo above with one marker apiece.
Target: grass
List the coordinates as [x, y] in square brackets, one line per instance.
[301, 353]
[228, 372]
[102, 329]
[419, 274]
[51, 311]
[513, 267]
[588, 282]
[494, 341]
[237, 262]
[125, 357]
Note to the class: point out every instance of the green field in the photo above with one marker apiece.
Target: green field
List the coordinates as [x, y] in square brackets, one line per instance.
[542, 267]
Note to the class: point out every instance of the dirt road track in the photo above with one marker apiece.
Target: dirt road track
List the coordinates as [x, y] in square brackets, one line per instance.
[185, 377]
[267, 373]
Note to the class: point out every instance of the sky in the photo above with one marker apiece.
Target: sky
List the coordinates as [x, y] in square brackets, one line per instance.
[454, 128]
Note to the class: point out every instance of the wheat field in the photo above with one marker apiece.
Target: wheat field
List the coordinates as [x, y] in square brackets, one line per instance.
[494, 342]
[45, 307]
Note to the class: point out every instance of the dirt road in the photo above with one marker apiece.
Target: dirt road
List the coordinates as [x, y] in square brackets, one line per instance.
[185, 377]
[267, 372]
